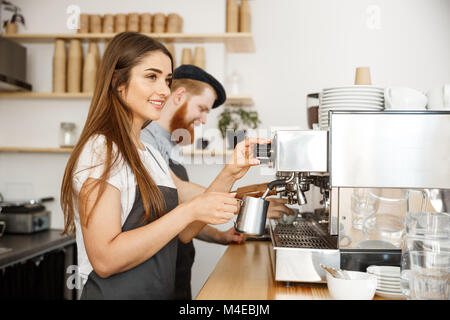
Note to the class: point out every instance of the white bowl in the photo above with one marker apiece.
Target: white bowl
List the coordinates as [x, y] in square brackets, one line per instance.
[361, 286]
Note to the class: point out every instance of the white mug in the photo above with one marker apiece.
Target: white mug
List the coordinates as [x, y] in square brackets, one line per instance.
[439, 98]
[404, 98]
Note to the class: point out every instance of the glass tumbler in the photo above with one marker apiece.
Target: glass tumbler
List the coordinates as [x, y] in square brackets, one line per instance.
[364, 203]
[67, 136]
[430, 275]
[427, 233]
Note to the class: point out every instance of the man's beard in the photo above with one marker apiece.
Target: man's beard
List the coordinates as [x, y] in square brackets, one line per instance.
[178, 124]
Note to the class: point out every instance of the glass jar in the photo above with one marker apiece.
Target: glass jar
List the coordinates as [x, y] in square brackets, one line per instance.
[234, 83]
[426, 233]
[67, 135]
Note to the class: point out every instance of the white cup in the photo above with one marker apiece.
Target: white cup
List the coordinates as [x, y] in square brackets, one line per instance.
[404, 98]
[439, 98]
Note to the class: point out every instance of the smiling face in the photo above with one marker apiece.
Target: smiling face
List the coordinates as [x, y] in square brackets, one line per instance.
[148, 87]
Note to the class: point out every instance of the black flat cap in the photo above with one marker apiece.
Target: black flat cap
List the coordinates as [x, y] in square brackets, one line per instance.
[189, 71]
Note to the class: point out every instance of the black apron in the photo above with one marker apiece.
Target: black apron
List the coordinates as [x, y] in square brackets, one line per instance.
[185, 252]
[154, 279]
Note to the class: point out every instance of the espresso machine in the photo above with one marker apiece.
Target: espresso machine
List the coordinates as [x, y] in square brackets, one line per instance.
[360, 149]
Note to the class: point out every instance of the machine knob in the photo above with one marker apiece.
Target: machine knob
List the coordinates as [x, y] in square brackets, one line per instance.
[263, 151]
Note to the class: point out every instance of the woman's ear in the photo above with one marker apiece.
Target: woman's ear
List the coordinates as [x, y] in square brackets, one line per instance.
[179, 96]
[121, 88]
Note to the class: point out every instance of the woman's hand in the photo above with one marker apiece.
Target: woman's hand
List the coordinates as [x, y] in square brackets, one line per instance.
[213, 207]
[243, 157]
[277, 208]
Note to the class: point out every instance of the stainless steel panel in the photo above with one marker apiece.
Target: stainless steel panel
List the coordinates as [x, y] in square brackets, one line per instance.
[300, 151]
[334, 212]
[298, 250]
[401, 149]
[26, 222]
[303, 265]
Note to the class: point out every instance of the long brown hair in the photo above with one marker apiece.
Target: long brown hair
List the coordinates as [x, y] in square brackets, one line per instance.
[109, 116]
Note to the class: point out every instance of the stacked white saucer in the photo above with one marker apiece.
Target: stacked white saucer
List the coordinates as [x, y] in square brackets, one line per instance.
[349, 98]
[388, 281]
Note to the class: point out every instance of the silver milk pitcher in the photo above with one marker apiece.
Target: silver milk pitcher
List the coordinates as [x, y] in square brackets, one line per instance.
[252, 216]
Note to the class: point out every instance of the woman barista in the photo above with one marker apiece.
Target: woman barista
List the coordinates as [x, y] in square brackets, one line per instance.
[117, 193]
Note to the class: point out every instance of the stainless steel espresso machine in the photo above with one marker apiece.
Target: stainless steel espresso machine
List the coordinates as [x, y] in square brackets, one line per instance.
[389, 149]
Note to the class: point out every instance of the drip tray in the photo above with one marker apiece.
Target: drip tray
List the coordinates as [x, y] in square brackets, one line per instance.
[298, 250]
[300, 234]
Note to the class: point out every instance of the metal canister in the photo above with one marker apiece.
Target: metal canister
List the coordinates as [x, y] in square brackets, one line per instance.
[252, 216]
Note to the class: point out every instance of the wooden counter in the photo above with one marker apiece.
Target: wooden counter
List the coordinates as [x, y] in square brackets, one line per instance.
[245, 273]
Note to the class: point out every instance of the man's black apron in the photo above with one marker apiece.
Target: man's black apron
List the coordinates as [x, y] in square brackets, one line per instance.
[186, 251]
[153, 279]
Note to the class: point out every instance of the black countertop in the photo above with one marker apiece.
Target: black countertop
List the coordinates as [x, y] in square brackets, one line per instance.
[28, 246]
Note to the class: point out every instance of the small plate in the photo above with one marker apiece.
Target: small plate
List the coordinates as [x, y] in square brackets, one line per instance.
[385, 271]
[383, 282]
[388, 289]
[353, 95]
[355, 88]
[351, 106]
[392, 291]
[389, 295]
[344, 96]
[386, 277]
[352, 101]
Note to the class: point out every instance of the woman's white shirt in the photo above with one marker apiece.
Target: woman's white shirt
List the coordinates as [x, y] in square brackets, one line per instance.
[91, 165]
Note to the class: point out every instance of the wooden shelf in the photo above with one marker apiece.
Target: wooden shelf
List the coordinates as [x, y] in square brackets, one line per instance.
[234, 42]
[35, 150]
[238, 100]
[44, 95]
[210, 153]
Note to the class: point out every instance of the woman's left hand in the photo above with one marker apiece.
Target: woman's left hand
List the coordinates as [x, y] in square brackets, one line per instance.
[243, 157]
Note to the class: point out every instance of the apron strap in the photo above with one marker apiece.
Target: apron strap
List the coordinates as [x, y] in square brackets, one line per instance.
[156, 160]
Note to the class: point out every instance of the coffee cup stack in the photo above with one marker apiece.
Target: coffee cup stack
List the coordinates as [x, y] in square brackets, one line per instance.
[59, 66]
[403, 98]
[108, 23]
[74, 66]
[146, 23]
[84, 23]
[133, 22]
[186, 56]
[159, 23]
[90, 67]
